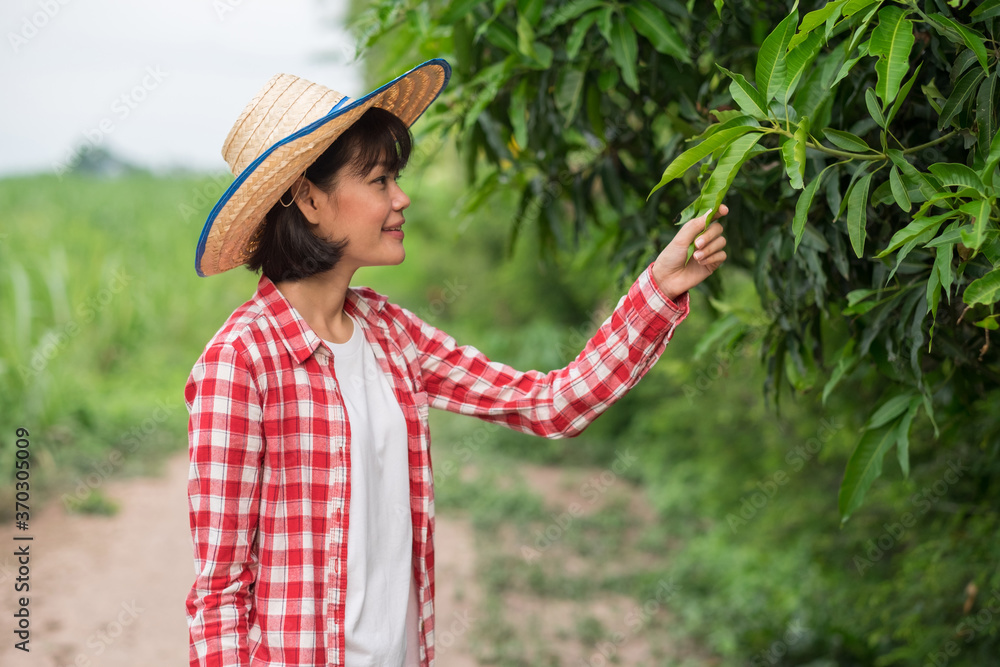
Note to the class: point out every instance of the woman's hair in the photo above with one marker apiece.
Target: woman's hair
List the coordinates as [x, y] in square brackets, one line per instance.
[284, 247]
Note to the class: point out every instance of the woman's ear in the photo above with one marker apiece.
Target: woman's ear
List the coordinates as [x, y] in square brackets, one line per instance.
[308, 198]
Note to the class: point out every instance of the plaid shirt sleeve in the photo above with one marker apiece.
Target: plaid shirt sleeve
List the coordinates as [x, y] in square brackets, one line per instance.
[223, 491]
[563, 402]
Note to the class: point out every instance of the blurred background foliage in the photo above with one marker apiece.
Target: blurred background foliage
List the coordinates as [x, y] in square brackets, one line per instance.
[562, 118]
[859, 139]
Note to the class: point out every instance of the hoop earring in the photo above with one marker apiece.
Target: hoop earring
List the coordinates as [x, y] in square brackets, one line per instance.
[295, 195]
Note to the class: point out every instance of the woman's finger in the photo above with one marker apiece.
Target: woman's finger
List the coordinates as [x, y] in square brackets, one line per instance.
[714, 261]
[713, 232]
[713, 246]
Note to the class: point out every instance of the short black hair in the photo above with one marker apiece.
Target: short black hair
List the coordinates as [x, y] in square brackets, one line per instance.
[284, 247]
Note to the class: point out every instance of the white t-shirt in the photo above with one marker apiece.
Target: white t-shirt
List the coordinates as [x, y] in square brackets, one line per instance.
[381, 605]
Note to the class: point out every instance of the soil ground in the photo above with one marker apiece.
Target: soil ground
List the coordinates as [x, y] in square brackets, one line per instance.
[108, 591]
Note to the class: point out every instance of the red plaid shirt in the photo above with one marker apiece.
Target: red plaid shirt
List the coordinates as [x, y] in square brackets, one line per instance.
[269, 487]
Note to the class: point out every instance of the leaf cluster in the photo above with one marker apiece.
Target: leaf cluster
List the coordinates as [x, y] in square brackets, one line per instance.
[855, 142]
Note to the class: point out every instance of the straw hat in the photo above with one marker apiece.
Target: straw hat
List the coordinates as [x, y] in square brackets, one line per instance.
[282, 131]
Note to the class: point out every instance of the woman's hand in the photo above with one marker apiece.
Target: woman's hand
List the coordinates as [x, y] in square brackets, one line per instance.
[672, 270]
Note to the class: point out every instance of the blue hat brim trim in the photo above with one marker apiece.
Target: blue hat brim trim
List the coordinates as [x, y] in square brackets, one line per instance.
[336, 111]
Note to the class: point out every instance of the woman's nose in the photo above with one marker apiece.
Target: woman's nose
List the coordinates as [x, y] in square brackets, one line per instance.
[399, 199]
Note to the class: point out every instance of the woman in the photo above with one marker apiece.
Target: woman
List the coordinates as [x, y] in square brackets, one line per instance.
[310, 492]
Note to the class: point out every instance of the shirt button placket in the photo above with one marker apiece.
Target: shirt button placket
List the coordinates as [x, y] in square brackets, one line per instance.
[330, 381]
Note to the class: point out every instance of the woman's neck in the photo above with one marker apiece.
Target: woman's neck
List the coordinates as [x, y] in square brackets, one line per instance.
[319, 299]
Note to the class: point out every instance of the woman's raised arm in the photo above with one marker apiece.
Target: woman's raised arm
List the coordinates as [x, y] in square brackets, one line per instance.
[563, 402]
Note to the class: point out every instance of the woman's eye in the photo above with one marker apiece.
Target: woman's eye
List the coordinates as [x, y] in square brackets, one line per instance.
[384, 178]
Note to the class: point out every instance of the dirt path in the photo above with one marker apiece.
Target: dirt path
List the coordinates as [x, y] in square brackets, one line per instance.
[109, 591]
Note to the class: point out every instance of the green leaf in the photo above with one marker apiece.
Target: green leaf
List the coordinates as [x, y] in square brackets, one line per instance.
[892, 40]
[567, 12]
[932, 294]
[579, 34]
[846, 361]
[489, 78]
[951, 236]
[814, 19]
[890, 409]
[916, 228]
[908, 247]
[854, 6]
[903, 435]
[861, 308]
[797, 61]
[987, 10]
[864, 467]
[531, 9]
[793, 155]
[625, 50]
[859, 170]
[519, 113]
[803, 205]
[543, 56]
[604, 21]
[502, 36]
[942, 265]
[979, 210]
[725, 171]
[771, 69]
[929, 409]
[608, 79]
[526, 37]
[954, 174]
[847, 141]
[963, 61]
[989, 322]
[745, 95]
[569, 93]
[845, 69]
[991, 250]
[903, 93]
[724, 327]
[971, 38]
[652, 23]
[959, 94]
[718, 7]
[927, 189]
[983, 290]
[899, 190]
[873, 108]
[725, 115]
[737, 119]
[696, 154]
[984, 115]
[857, 213]
[457, 10]
[856, 296]
[992, 160]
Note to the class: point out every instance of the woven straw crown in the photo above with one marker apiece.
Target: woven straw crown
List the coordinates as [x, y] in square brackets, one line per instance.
[283, 130]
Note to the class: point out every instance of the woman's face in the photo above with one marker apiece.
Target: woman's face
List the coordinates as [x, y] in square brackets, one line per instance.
[367, 211]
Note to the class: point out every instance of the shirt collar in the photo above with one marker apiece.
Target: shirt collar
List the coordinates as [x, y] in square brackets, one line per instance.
[300, 340]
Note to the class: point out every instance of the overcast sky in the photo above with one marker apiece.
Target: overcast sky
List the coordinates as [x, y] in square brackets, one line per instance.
[159, 83]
